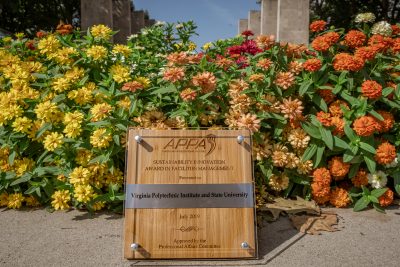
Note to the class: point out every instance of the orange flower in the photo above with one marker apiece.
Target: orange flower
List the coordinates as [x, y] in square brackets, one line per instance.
[250, 122]
[355, 38]
[338, 169]
[64, 29]
[385, 153]
[396, 45]
[284, 80]
[322, 176]
[371, 89]
[188, 95]
[364, 126]
[177, 58]
[320, 190]
[291, 109]
[331, 37]
[174, 74]
[317, 26]
[336, 108]
[326, 94]
[320, 44]
[344, 61]
[132, 86]
[256, 77]
[295, 67]
[206, 81]
[339, 198]
[360, 179]
[366, 52]
[312, 64]
[322, 200]
[264, 63]
[388, 121]
[381, 42]
[386, 199]
[395, 29]
[265, 41]
[338, 124]
[324, 118]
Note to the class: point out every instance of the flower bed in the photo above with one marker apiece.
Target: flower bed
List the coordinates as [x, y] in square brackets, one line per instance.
[324, 118]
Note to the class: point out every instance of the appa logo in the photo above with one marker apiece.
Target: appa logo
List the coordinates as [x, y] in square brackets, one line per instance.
[205, 144]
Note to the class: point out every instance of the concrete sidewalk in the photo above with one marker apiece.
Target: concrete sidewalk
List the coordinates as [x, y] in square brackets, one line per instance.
[74, 238]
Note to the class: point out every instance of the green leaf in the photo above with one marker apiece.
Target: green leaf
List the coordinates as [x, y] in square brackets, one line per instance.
[320, 102]
[378, 192]
[365, 190]
[378, 207]
[340, 143]
[367, 147]
[164, 90]
[309, 153]
[327, 137]
[23, 179]
[319, 155]
[121, 127]
[371, 164]
[376, 115]
[350, 133]
[387, 91]
[311, 130]
[11, 157]
[353, 170]
[361, 204]
[373, 199]
[348, 155]
[116, 139]
[43, 129]
[304, 87]
[300, 180]
[396, 180]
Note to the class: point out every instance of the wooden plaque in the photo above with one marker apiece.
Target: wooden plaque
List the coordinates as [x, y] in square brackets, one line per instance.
[189, 194]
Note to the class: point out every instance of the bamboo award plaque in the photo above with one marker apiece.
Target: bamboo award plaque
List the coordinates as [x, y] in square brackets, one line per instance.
[189, 194]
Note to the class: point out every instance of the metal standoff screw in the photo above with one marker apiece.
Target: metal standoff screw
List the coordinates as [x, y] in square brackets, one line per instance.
[138, 139]
[240, 139]
[134, 246]
[244, 245]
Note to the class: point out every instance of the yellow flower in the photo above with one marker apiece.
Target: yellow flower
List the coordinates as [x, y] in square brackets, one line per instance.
[124, 103]
[31, 201]
[83, 193]
[73, 117]
[63, 56]
[15, 201]
[101, 31]
[122, 49]
[47, 111]
[3, 199]
[49, 44]
[97, 52]
[60, 84]
[19, 35]
[100, 111]
[22, 125]
[74, 74]
[52, 141]
[100, 138]
[79, 175]
[207, 46]
[7, 39]
[114, 178]
[81, 96]
[22, 166]
[72, 130]
[144, 81]
[120, 73]
[60, 200]
[192, 46]
[98, 205]
[83, 157]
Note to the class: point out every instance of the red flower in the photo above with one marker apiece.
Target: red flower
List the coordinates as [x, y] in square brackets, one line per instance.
[247, 33]
[344, 61]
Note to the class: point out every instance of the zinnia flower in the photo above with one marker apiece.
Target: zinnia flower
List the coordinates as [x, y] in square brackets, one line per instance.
[132, 86]
[291, 109]
[206, 81]
[101, 31]
[355, 38]
[366, 52]
[324, 118]
[312, 64]
[326, 94]
[360, 179]
[364, 126]
[174, 74]
[386, 199]
[388, 121]
[264, 63]
[339, 198]
[338, 124]
[338, 168]
[344, 61]
[385, 153]
[279, 155]
[377, 179]
[298, 138]
[83, 193]
[14, 201]
[60, 200]
[284, 80]
[295, 67]
[317, 26]
[336, 108]
[52, 141]
[371, 89]
[188, 95]
[322, 176]
[380, 42]
[382, 28]
[278, 182]
[250, 122]
[365, 17]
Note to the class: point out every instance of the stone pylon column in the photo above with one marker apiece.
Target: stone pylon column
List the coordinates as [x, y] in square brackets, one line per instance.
[269, 16]
[242, 25]
[254, 23]
[138, 21]
[95, 12]
[121, 20]
[293, 21]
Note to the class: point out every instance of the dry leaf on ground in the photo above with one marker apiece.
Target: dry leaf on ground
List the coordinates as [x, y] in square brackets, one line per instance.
[315, 224]
[291, 207]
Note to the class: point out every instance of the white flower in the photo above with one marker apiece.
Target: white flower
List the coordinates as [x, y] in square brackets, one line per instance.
[133, 36]
[365, 17]
[378, 179]
[382, 28]
[179, 26]
[393, 164]
[144, 31]
[160, 23]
